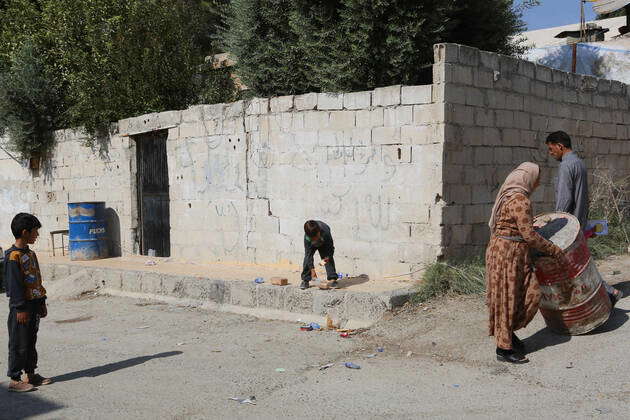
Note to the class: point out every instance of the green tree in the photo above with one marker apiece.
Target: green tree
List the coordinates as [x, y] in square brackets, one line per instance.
[284, 47]
[30, 103]
[269, 58]
[488, 24]
[112, 59]
[123, 58]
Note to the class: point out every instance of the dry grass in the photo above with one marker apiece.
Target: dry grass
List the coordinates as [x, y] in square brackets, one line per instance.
[452, 278]
[610, 200]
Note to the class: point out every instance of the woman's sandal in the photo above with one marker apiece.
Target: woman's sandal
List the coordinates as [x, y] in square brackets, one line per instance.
[509, 356]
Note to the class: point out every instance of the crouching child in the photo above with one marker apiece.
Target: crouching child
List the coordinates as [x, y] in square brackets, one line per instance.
[317, 237]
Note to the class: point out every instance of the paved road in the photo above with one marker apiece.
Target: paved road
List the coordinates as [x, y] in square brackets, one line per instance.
[128, 359]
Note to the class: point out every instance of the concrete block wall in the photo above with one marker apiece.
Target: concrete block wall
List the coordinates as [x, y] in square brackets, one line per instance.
[15, 194]
[498, 113]
[244, 177]
[73, 173]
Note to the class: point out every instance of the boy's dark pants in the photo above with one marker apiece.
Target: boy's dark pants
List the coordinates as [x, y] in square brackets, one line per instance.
[22, 340]
[331, 270]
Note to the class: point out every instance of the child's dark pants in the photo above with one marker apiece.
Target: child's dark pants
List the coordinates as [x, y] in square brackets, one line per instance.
[331, 270]
[22, 341]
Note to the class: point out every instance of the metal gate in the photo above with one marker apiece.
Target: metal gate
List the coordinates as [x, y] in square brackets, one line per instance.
[153, 199]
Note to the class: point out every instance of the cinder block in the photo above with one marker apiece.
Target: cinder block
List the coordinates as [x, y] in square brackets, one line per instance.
[514, 102]
[151, 283]
[477, 213]
[475, 97]
[328, 101]
[281, 104]
[316, 120]
[279, 281]
[387, 96]
[257, 106]
[468, 56]
[189, 130]
[357, 100]
[268, 296]
[484, 117]
[503, 155]
[460, 114]
[504, 118]
[235, 109]
[340, 120]
[331, 304]
[386, 135]
[527, 69]
[300, 301]
[398, 116]
[305, 102]
[418, 134]
[482, 194]
[397, 153]
[132, 281]
[455, 94]
[522, 120]
[446, 53]
[242, 293]
[483, 155]
[215, 111]
[489, 60]
[193, 114]
[458, 194]
[411, 95]
[429, 113]
[202, 288]
[543, 74]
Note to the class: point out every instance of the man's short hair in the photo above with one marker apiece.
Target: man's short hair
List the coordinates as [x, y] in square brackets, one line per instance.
[22, 222]
[559, 137]
[311, 228]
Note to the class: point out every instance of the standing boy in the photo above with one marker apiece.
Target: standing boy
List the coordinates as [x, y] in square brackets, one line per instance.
[317, 237]
[572, 187]
[27, 304]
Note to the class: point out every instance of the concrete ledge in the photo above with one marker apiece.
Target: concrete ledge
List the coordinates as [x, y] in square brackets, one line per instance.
[356, 308]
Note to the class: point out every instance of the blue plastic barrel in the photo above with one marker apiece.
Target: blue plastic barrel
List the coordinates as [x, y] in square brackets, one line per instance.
[88, 231]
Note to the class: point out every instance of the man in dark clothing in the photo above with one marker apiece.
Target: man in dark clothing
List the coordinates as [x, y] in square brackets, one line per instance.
[27, 304]
[317, 237]
[572, 187]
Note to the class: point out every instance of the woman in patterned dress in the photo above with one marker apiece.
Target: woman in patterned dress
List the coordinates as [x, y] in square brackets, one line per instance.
[513, 293]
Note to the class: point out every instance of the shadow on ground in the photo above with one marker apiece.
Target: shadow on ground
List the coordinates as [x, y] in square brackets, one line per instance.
[547, 338]
[618, 317]
[24, 405]
[112, 367]
[544, 338]
[353, 281]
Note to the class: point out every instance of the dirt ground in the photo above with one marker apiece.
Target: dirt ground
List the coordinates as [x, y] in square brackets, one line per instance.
[118, 357]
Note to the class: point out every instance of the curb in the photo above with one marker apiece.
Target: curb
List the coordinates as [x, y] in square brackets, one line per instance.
[359, 309]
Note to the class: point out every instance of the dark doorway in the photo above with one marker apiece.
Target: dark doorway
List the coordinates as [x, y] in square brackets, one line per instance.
[153, 201]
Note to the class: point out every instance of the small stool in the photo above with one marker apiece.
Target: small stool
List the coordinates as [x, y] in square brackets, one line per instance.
[52, 238]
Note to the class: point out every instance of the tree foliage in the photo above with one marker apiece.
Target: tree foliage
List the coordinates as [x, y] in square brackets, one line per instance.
[30, 104]
[285, 47]
[112, 59]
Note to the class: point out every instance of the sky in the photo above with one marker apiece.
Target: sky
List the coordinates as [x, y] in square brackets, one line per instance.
[556, 13]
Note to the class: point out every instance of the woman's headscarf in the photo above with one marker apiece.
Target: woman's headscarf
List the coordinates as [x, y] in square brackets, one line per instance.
[520, 180]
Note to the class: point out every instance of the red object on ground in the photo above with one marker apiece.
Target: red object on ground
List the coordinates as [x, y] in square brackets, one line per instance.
[344, 335]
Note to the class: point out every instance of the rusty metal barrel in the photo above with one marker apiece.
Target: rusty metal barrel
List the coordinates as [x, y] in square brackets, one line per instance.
[574, 300]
